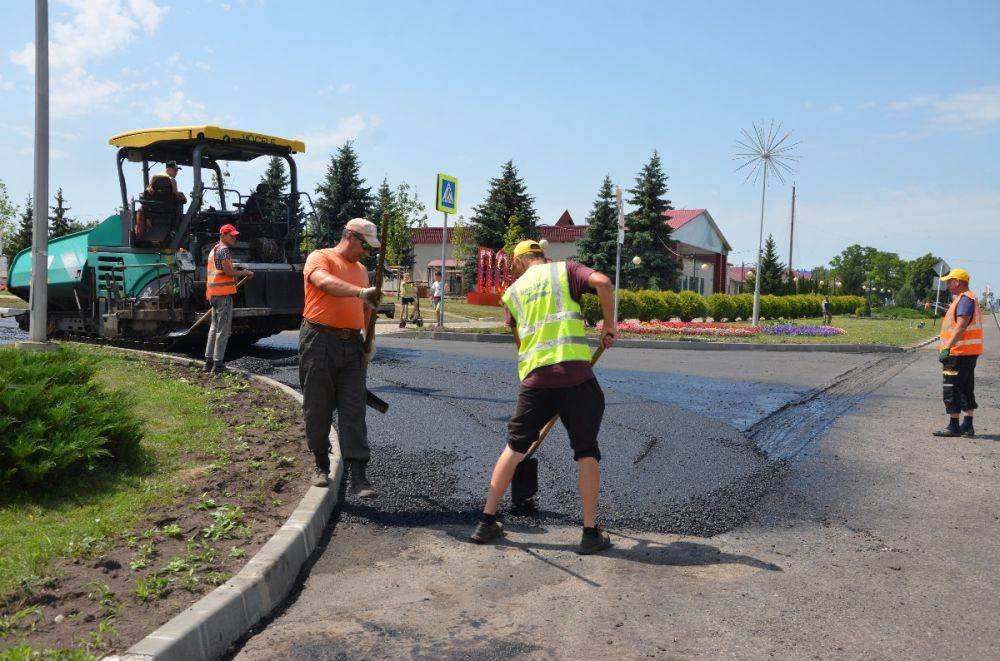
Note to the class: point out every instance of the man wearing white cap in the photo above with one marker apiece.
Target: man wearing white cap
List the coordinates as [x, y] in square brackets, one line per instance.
[332, 361]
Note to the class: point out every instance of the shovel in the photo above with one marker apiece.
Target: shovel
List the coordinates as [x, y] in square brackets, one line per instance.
[177, 334]
[371, 399]
[524, 485]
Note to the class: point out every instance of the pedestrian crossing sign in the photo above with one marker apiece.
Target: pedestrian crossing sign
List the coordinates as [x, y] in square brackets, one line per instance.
[447, 193]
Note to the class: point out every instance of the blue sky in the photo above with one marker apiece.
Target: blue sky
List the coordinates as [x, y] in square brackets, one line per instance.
[896, 104]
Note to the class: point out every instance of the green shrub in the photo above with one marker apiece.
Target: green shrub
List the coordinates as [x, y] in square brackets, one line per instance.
[846, 304]
[863, 310]
[672, 303]
[591, 308]
[692, 305]
[628, 305]
[742, 306]
[55, 421]
[721, 307]
[651, 306]
[773, 307]
[906, 297]
[899, 312]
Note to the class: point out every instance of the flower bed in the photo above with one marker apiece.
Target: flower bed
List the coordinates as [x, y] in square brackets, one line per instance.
[716, 329]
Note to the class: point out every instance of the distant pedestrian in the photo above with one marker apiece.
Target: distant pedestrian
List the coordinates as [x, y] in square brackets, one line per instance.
[827, 311]
[407, 297]
[333, 365]
[220, 290]
[544, 312]
[961, 345]
[437, 292]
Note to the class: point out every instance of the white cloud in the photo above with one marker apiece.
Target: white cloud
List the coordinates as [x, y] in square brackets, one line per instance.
[176, 106]
[348, 128]
[96, 30]
[972, 109]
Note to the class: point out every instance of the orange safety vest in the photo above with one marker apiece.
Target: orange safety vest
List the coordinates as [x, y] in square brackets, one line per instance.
[218, 283]
[971, 342]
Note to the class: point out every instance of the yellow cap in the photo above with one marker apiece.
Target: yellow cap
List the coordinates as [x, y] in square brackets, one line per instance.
[956, 274]
[529, 245]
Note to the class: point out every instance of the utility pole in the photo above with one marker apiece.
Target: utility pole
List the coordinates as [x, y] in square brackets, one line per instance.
[791, 238]
[38, 298]
[618, 246]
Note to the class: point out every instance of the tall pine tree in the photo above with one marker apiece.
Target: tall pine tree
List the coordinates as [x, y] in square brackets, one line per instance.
[341, 196]
[771, 269]
[648, 234]
[25, 227]
[59, 223]
[507, 198]
[276, 179]
[597, 247]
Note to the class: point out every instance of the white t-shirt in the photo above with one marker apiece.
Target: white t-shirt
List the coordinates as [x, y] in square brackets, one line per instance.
[436, 289]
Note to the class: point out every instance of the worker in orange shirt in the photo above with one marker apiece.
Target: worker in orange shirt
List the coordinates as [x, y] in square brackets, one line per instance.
[332, 361]
[961, 345]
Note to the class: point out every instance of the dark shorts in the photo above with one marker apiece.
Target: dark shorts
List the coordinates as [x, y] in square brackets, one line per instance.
[407, 300]
[580, 408]
[959, 377]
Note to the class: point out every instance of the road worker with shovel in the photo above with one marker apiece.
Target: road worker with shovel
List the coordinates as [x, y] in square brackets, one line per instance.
[554, 364]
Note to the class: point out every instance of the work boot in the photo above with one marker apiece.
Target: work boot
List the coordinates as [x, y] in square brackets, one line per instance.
[209, 364]
[951, 430]
[219, 368]
[359, 484]
[319, 477]
[594, 540]
[967, 429]
[486, 531]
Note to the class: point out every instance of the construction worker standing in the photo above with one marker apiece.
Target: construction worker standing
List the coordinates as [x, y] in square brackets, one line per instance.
[332, 361]
[544, 312]
[961, 345]
[220, 289]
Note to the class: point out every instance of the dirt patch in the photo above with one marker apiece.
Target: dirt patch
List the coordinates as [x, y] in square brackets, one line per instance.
[109, 593]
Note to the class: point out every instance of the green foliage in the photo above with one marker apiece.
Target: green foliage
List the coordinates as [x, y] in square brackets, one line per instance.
[721, 307]
[852, 267]
[21, 237]
[628, 305]
[773, 307]
[597, 247]
[672, 302]
[648, 234]
[508, 198]
[900, 312]
[55, 421]
[591, 305]
[920, 275]
[512, 236]
[341, 195]
[59, 223]
[151, 589]
[227, 523]
[8, 229]
[27, 653]
[771, 269]
[863, 310]
[651, 305]
[692, 305]
[906, 297]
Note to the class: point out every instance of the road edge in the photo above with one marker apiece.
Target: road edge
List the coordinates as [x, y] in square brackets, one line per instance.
[695, 345]
[208, 628]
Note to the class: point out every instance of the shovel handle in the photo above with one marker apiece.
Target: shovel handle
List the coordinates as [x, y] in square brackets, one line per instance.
[208, 313]
[552, 423]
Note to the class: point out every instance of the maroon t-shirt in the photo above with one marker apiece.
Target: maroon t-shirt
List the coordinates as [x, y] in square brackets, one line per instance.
[573, 372]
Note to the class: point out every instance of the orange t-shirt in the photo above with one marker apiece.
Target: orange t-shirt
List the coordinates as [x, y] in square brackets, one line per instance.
[335, 311]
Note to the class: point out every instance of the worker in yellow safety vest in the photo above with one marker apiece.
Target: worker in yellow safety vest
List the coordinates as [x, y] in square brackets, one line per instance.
[544, 312]
[961, 345]
[220, 290]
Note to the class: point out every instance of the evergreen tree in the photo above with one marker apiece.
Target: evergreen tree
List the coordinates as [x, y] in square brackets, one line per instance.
[507, 198]
[512, 236]
[25, 228]
[772, 270]
[648, 234]
[275, 177]
[597, 247]
[341, 196]
[59, 223]
[8, 212]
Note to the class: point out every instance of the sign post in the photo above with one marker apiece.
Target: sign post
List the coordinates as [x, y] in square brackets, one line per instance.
[447, 202]
[618, 247]
[940, 268]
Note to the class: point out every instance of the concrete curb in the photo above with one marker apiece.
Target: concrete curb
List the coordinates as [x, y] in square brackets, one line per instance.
[208, 628]
[694, 345]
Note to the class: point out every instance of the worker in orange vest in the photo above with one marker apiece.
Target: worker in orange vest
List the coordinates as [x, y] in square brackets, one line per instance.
[961, 344]
[220, 289]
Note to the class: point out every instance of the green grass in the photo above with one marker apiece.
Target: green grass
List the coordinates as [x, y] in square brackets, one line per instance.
[454, 308]
[8, 300]
[892, 332]
[75, 515]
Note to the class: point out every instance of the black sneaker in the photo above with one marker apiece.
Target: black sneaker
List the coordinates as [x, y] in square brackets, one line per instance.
[486, 532]
[594, 542]
[208, 366]
[219, 368]
[968, 432]
[948, 432]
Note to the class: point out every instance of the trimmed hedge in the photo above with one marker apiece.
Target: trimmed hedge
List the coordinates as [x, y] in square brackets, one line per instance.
[55, 421]
[650, 305]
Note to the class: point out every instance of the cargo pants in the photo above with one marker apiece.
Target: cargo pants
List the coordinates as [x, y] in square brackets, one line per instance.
[332, 374]
[222, 326]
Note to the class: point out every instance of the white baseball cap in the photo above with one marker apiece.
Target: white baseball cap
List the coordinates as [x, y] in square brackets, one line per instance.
[365, 228]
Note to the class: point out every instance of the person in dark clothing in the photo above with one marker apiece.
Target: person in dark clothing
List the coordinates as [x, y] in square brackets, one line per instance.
[827, 311]
[961, 345]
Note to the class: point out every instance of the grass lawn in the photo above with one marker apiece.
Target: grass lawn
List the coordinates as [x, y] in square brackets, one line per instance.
[454, 309]
[72, 515]
[893, 332]
[8, 300]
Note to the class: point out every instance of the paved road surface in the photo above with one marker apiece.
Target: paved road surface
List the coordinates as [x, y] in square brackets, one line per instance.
[879, 542]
